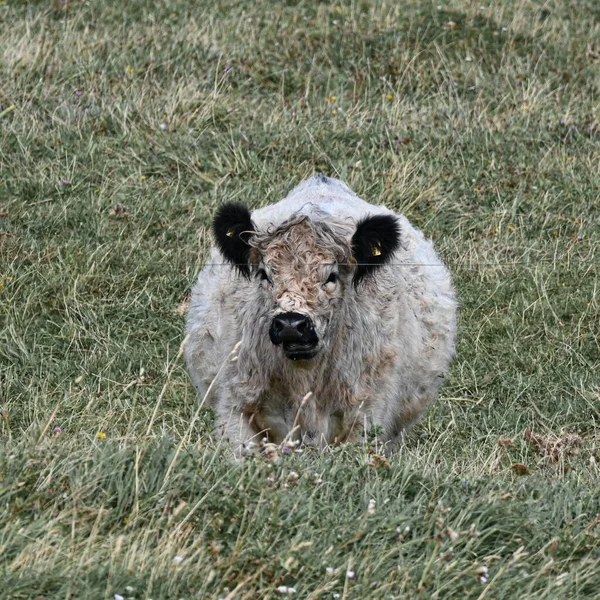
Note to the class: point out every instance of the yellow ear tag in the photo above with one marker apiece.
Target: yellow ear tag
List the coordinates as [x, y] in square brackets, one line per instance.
[376, 251]
[230, 233]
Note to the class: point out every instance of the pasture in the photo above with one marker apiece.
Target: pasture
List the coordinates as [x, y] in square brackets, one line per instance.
[122, 128]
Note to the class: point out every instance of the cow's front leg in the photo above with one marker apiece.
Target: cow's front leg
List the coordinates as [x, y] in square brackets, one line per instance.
[239, 427]
[276, 421]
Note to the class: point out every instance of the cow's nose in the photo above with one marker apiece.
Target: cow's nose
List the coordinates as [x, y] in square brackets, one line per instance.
[291, 327]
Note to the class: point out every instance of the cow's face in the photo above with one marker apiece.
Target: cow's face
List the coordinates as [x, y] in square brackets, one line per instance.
[302, 270]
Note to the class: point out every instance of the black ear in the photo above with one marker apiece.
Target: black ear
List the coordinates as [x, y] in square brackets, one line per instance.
[376, 238]
[232, 227]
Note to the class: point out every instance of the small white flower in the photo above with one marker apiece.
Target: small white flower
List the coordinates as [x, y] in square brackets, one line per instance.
[350, 574]
[284, 589]
[483, 579]
[329, 570]
[163, 126]
[178, 559]
[335, 595]
[119, 597]
[128, 588]
[371, 507]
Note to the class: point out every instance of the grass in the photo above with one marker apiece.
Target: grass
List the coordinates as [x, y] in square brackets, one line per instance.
[124, 125]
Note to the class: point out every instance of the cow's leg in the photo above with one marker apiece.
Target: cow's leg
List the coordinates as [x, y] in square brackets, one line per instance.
[277, 420]
[239, 428]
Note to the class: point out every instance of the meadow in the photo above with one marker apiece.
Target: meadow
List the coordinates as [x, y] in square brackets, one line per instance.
[123, 125]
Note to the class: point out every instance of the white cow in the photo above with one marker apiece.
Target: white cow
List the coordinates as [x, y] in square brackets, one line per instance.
[344, 315]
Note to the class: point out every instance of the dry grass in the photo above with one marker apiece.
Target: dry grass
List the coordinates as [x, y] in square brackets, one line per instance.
[123, 126]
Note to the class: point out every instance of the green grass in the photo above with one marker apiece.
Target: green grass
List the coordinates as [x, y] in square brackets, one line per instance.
[123, 125]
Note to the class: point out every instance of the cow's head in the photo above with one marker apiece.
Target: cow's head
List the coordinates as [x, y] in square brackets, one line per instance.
[303, 268]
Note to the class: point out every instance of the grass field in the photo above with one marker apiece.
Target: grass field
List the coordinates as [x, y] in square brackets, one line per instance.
[124, 125]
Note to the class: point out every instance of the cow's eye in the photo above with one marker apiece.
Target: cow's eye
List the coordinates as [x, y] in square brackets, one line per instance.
[333, 278]
[262, 275]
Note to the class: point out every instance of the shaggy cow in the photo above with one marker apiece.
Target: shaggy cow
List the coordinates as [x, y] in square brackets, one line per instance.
[344, 315]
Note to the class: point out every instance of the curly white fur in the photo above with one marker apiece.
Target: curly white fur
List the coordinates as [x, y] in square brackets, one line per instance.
[387, 343]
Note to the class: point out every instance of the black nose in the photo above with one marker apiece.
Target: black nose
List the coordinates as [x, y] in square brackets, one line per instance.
[292, 327]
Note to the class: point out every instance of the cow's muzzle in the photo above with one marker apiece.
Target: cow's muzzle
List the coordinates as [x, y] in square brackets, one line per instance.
[296, 334]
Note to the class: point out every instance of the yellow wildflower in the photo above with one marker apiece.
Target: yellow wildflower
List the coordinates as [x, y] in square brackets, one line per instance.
[101, 435]
[390, 96]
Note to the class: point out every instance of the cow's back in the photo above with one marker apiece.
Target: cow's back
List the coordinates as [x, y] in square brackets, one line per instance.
[319, 195]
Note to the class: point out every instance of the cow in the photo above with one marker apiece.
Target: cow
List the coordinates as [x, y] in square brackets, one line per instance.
[319, 320]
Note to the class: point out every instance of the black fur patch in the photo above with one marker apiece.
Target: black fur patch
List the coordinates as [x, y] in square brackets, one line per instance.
[232, 227]
[376, 238]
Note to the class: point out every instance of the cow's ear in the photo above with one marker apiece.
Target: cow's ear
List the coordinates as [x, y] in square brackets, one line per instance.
[375, 240]
[232, 228]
